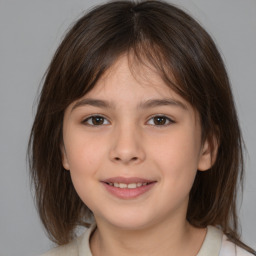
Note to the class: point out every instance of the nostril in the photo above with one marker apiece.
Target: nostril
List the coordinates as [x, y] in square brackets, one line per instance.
[130, 159]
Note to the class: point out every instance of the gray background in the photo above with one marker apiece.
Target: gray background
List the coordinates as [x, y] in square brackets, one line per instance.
[30, 31]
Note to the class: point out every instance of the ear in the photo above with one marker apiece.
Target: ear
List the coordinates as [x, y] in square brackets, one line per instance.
[208, 154]
[65, 162]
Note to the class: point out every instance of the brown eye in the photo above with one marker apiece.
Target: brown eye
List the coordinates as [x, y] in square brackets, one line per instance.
[95, 120]
[160, 121]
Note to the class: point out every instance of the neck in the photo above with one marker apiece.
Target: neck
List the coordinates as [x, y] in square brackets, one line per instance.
[178, 238]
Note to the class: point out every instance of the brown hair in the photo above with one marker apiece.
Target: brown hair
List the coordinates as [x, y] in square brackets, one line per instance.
[176, 46]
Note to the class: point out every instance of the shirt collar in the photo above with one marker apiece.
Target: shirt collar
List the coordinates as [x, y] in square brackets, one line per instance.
[210, 247]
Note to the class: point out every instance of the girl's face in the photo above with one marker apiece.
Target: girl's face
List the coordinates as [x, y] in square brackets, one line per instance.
[133, 148]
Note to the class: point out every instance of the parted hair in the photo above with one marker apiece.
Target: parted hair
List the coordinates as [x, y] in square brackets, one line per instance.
[163, 36]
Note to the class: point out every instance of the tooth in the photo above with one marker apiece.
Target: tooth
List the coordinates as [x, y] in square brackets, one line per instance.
[122, 185]
[132, 185]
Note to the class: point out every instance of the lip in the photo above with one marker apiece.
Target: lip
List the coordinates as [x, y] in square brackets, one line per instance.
[128, 193]
[127, 180]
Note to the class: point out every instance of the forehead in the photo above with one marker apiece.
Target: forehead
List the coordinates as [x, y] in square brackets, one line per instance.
[135, 78]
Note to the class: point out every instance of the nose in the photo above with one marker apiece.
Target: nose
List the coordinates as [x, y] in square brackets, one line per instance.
[127, 146]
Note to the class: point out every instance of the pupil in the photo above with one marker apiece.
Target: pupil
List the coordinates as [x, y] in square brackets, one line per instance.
[97, 120]
[159, 120]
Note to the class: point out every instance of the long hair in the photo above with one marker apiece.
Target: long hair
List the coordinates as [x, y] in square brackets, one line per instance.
[161, 35]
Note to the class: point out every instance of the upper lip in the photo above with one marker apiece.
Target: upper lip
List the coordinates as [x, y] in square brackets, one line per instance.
[127, 180]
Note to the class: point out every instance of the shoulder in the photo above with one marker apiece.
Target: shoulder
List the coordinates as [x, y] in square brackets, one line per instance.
[216, 243]
[230, 249]
[64, 250]
[79, 246]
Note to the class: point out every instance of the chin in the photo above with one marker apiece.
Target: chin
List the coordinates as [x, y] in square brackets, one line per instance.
[129, 220]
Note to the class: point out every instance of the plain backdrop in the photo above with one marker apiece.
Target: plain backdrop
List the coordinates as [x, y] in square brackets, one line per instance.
[30, 31]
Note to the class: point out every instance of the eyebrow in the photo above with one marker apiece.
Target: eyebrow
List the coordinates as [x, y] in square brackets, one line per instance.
[143, 105]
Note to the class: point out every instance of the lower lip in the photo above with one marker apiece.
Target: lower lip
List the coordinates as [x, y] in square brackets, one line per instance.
[128, 193]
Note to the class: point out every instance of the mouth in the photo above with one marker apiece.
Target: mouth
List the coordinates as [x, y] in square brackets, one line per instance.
[128, 188]
[129, 185]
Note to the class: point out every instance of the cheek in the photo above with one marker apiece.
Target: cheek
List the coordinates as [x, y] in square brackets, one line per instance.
[83, 153]
[84, 162]
[177, 149]
[177, 157]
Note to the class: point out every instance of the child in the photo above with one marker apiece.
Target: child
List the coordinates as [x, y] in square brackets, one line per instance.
[136, 137]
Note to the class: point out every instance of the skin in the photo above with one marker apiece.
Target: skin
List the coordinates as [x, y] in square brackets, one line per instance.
[129, 142]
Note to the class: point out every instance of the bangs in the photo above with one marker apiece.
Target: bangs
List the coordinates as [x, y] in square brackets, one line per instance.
[163, 43]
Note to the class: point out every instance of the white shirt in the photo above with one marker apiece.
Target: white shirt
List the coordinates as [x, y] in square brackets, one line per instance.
[215, 244]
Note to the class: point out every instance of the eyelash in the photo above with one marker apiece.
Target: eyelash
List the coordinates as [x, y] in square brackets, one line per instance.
[85, 121]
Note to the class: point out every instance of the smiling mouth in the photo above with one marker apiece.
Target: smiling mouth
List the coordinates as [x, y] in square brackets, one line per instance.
[129, 186]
